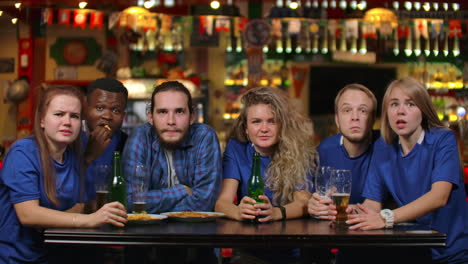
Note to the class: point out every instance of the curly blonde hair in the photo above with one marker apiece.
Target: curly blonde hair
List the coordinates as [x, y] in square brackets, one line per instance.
[295, 154]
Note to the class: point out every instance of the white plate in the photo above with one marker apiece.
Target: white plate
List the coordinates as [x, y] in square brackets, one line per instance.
[208, 216]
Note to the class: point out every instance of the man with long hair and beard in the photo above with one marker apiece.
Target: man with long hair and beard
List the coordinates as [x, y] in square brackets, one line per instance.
[183, 158]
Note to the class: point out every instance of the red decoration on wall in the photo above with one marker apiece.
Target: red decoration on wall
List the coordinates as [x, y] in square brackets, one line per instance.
[455, 28]
[47, 16]
[25, 110]
[96, 19]
[64, 17]
[75, 52]
[79, 19]
[298, 74]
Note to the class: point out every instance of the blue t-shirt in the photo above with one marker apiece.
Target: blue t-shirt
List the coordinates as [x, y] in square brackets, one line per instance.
[332, 153]
[237, 164]
[409, 177]
[21, 180]
[106, 158]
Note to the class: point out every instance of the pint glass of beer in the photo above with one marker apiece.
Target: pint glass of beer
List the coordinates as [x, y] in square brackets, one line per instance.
[139, 189]
[340, 191]
[102, 176]
[322, 180]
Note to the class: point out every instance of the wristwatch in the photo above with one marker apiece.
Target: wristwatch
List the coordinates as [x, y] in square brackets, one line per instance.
[388, 216]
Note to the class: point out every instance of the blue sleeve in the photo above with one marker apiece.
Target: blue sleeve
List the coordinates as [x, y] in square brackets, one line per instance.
[20, 173]
[231, 168]
[447, 161]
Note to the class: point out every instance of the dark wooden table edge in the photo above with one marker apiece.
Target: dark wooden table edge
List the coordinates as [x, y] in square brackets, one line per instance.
[239, 241]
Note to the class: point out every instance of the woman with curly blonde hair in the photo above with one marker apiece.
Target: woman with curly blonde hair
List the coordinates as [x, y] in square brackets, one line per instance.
[270, 125]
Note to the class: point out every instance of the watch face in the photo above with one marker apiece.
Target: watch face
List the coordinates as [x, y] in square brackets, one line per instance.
[386, 213]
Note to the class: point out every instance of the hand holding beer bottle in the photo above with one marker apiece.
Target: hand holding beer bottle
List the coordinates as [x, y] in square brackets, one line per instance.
[255, 187]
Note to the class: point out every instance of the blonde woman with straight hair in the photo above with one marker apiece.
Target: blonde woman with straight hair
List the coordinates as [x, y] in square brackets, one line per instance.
[268, 124]
[417, 163]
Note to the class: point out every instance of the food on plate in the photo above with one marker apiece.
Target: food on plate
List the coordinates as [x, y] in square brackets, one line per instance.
[190, 214]
[139, 217]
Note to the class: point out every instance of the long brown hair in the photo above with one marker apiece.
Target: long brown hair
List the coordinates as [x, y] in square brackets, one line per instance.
[295, 153]
[47, 163]
[418, 93]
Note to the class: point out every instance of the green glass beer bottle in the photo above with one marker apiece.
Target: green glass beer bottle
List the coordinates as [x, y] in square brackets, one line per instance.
[118, 188]
[255, 186]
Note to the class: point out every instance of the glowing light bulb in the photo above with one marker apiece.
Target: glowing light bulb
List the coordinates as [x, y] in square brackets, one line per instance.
[14, 20]
[215, 4]
[362, 5]
[396, 5]
[82, 4]
[408, 5]
[18, 5]
[294, 5]
[427, 7]
[324, 4]
[343, 4]
[417, 6]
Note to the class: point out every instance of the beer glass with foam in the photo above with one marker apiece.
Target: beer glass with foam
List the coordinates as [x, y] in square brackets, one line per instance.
[340, 184]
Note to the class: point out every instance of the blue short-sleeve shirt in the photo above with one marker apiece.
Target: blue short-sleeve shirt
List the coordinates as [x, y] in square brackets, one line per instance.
[21, 180]
[408, 177]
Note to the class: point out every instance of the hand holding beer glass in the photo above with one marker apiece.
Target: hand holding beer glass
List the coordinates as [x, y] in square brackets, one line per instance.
[322, 180]
[139, 189]
[102, 177]
[340, 191]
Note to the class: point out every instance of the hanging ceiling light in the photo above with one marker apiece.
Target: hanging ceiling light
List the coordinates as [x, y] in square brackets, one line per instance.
[456, 6]
[333, 3]
[169, 3]
[353, 4]
[324, 4]
[436, 6]
[445, 6]
[343, 4]
[18, 5]
[408, 5]
[362, 5]
[82, 4]
[417, 6]
[215, 4]
[1, 12]
[14, 20]
[427, 6]
[294, 5]
[148, 4]
[396, 5]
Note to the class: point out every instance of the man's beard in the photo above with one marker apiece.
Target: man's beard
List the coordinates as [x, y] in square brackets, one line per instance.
[172, 145]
